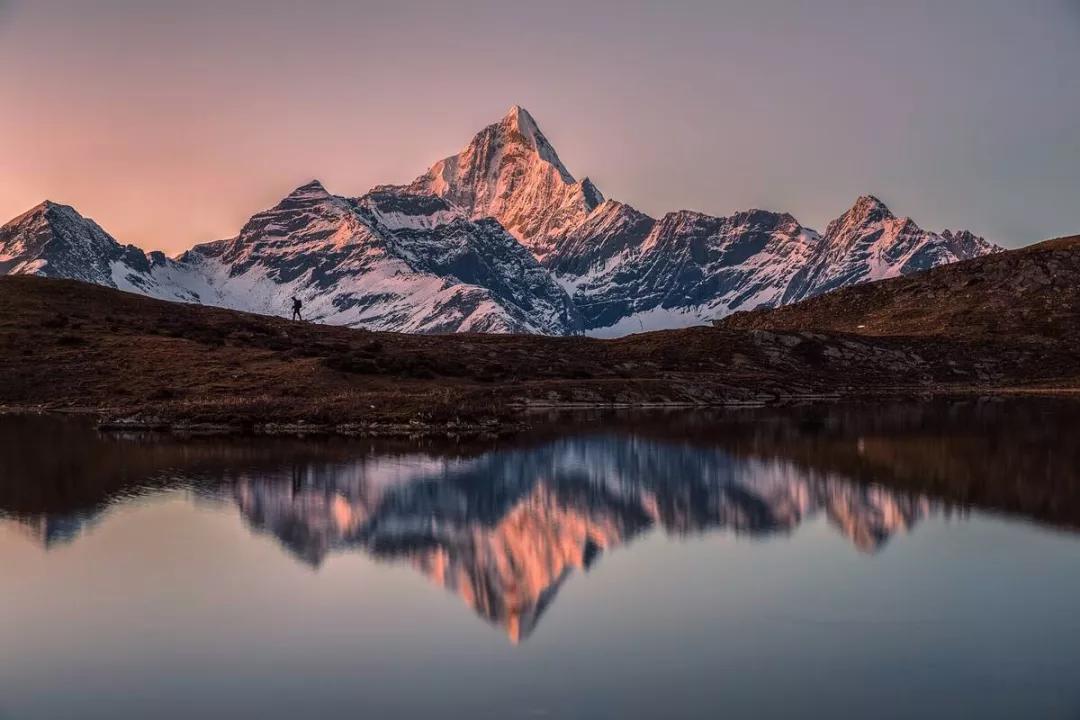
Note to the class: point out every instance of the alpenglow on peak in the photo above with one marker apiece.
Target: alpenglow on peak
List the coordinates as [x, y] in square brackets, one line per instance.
[511, 172]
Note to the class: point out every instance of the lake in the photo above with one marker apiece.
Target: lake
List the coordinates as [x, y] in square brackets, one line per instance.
[904, 560]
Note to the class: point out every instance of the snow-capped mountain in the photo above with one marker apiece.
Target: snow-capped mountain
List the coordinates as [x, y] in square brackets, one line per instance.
[510, 172]
[869, 243]
[498, 238]
[54, 240]
[388, 261]
[628, 272]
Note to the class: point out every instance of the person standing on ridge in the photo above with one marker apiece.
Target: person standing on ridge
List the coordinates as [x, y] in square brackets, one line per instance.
[296, 305]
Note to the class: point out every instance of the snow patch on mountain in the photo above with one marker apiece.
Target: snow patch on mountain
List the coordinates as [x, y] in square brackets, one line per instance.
[658, 318]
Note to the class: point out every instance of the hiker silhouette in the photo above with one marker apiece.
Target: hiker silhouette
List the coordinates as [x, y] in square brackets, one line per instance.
[296, 305]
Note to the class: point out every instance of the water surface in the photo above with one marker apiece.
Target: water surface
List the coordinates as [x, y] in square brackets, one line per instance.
[902, 561]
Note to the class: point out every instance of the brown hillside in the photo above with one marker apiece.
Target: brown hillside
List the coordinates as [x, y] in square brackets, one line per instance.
[70, 345]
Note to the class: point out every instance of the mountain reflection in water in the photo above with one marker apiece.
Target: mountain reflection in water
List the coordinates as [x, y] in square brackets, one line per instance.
[505, 529]
[504, 526]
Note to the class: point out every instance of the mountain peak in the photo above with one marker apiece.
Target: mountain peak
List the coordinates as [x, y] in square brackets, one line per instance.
[54, 240]
[519, 127]
[869, 207]
[509, 171]
[313, 190]
[518, 120]
[867, 210]
[48, 211]
[518, 117]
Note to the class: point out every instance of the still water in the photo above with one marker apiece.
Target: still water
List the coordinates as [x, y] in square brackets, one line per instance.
[894, 562]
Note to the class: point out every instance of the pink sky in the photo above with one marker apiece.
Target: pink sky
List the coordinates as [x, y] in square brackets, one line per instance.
[171, 123]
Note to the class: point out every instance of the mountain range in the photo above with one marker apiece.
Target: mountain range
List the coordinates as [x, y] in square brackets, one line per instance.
[498, 238]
